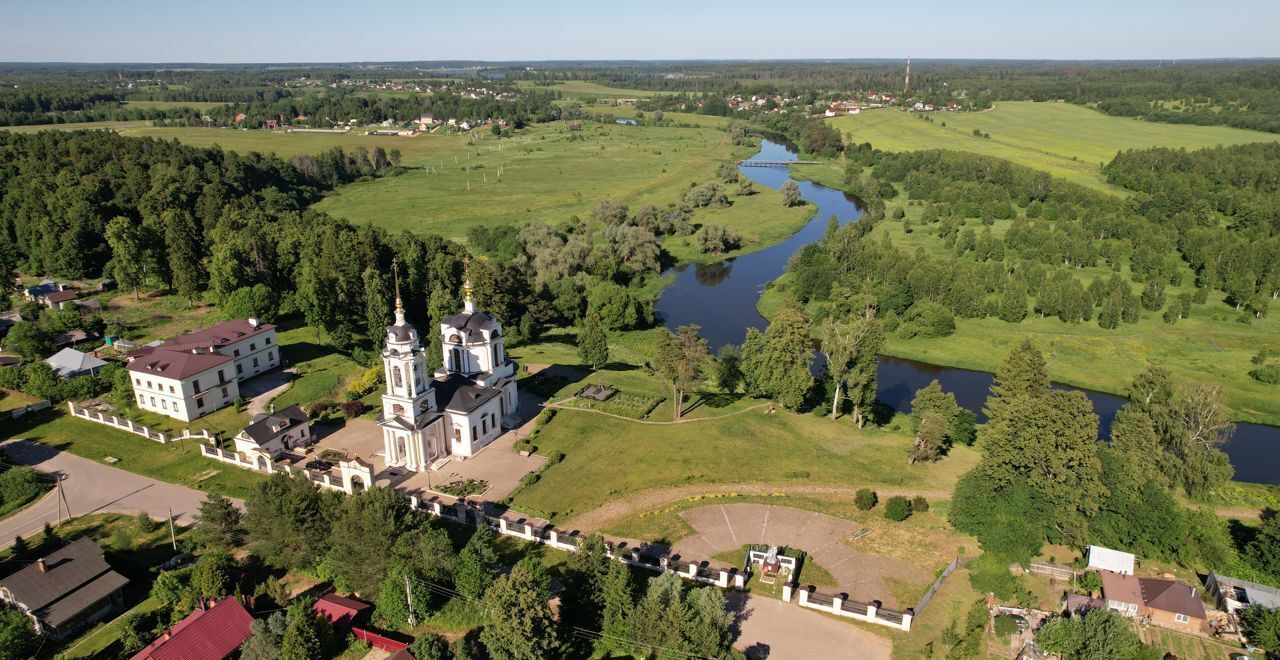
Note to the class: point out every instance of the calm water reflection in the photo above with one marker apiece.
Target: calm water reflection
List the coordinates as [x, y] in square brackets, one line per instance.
[722, 298]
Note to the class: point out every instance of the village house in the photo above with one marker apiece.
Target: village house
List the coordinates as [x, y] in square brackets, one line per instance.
[206, 634]
[38, 292]
[65, 590]
[1164, 603]
[197, 373]
[1106, 559]
[275, 433]
[462, 407]
[60, 299]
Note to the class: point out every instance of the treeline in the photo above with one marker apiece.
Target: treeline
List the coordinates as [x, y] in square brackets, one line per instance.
[339, 106]
[214, 225]
[1056, 228]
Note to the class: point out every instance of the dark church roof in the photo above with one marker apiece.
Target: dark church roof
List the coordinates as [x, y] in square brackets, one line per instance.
[402, 332]
[461, 394]
[469, 322]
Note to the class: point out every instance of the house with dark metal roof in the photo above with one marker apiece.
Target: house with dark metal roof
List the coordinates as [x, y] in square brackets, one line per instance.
[206, 634]
[275, 432]
[65, 590]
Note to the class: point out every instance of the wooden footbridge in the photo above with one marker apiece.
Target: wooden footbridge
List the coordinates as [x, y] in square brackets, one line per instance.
[776, 163]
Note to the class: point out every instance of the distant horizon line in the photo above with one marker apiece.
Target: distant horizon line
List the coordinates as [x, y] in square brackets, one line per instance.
[654, 62]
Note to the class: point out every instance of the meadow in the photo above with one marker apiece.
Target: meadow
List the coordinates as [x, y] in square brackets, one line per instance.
[1211, 345]
[1065, 140]
[586, 88]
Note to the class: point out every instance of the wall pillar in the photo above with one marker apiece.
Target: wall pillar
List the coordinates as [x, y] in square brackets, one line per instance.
[836, 601]
[528, 531]
[871, 611]
[786, 593]
[553, 537]
[437, 509]
[723, 582]
[693, 569]
[502, 525]
[804, 597]
[906, 620]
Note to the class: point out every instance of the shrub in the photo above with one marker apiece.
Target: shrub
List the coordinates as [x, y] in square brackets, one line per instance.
[554, 457]
[352, 409]
[1005, 625]
[897, 508]
[318, 409]
[919, 504]
[1089, 582]
[864, 499]
[1270, 374]
[529, 480]
[146, 524]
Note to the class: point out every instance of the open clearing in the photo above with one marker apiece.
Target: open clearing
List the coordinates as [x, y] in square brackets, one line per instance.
[1065, 140]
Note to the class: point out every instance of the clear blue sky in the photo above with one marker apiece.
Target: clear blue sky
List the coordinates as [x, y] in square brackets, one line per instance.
[331, 31]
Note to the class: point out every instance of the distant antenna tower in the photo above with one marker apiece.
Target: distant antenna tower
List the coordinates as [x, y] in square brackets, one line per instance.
[906, 82]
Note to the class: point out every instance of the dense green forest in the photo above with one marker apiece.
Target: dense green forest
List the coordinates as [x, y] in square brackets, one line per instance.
[1217, 220]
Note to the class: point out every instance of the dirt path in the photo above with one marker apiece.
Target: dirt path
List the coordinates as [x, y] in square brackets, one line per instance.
[560, 405]
[653, 498]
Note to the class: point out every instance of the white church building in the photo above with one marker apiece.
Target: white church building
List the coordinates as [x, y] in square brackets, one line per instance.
[458, 410]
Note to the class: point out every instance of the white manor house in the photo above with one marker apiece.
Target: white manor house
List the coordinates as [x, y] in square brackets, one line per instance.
[459, 409]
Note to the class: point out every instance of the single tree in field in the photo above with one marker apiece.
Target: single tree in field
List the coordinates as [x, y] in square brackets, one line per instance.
[931, 438]
[128, 253]
[593, 343]
[850, 343]
[680, 358]
[790, 194]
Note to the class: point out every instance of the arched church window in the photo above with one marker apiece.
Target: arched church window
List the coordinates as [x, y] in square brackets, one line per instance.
[397, 409]
[455, 339]
[395, 374]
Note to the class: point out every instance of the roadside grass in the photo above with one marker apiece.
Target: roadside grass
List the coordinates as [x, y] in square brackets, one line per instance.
[177, 462]
[1066, 140]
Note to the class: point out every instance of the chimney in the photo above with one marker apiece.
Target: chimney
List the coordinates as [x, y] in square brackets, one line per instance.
[253, 322]
[43, 567]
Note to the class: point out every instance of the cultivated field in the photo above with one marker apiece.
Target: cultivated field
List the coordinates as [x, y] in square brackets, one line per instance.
[1066, 140]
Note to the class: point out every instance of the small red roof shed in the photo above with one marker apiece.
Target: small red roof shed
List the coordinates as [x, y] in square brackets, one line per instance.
[211, 634]
[338, 610]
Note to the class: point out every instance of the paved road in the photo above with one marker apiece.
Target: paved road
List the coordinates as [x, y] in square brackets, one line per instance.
[90, 487]
[773, 629]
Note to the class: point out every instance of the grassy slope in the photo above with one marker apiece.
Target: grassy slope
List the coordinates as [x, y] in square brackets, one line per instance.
[602, 452]
[1066, 140]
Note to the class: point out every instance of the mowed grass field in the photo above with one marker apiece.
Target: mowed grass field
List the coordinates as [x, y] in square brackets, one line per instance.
[1065, 140]
[583, 88]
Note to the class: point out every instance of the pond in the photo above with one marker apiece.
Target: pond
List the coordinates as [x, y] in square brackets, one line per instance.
[722, 297]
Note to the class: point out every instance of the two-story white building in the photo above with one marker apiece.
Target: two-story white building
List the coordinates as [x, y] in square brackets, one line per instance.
[195, 374]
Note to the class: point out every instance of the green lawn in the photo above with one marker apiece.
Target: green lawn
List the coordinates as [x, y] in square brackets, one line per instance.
[1066, 140]
[602, 454]
[323, 373]
[178, 462]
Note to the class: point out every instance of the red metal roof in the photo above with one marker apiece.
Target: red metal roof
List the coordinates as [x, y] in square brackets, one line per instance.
[176, 364]
[211, 634]
[338, 610]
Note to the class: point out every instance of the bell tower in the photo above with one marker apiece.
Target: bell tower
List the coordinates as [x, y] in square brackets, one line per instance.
[408, 394]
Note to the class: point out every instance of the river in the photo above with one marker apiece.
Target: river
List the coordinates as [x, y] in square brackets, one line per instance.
[722, 297]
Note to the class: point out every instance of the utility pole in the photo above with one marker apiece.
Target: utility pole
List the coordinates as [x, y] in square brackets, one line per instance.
[173, 537]
[408, 596]
[62, 501]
